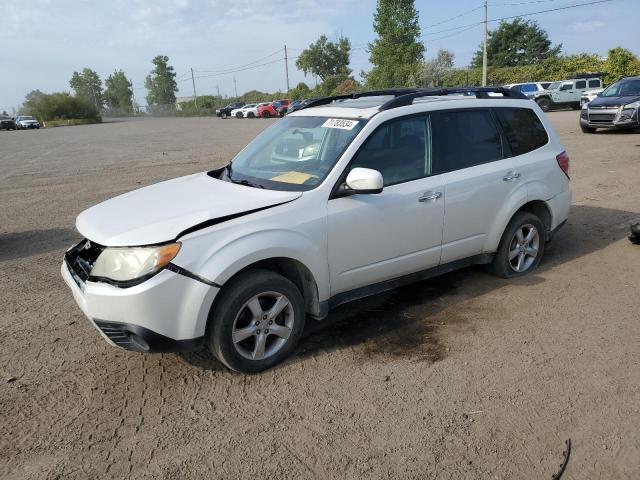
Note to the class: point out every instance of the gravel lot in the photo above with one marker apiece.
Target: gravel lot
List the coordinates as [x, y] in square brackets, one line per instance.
[463, 377]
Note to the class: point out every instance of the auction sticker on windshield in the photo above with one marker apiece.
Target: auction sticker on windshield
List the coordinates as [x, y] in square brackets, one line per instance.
[340, 123]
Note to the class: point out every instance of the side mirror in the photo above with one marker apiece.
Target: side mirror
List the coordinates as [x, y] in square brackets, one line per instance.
[364, 180]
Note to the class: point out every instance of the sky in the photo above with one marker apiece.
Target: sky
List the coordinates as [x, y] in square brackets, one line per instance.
[45, 41]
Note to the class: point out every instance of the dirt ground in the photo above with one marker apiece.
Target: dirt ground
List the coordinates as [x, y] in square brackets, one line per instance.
[463, 377]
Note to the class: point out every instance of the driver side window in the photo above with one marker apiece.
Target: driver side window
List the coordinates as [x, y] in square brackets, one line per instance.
[400, 150]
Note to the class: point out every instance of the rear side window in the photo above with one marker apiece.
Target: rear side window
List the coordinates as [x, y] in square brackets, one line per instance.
[523, 129]
[581, 84]
[529, 88]
[464, 138]
[594, 84]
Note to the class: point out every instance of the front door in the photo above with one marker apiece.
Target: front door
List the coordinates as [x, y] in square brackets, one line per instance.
[377, 237]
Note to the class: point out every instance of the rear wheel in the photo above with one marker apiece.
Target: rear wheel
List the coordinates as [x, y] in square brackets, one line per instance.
[521, 247]
[257, 321]
[544, 103]
[250, 115]
[223, 115]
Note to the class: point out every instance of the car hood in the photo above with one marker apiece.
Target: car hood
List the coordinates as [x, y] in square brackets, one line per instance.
[613, 101]
[166, 210]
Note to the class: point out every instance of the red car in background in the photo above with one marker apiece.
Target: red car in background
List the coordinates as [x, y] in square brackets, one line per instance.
[277, 108]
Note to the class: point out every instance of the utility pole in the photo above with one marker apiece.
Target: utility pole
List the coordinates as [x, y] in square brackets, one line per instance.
[235, 86]
[484, 50]
[218, 89]
[286, 66]
[195, 96]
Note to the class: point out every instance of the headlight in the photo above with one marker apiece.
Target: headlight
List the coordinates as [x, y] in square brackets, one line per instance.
[124, 264]
[631, 106]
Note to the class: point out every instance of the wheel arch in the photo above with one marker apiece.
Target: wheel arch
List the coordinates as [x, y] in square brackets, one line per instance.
[292, 269]
[540, 208]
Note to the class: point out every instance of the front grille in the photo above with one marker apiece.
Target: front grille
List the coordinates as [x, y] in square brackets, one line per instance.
[80, 259]
[601, 117]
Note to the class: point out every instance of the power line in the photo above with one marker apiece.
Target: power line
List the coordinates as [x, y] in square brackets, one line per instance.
[520, 3]
[455, 33]
[454, 17]
[521, 15]
[240, 66]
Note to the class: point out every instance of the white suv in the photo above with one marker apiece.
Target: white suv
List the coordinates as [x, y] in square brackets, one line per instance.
[348, 197]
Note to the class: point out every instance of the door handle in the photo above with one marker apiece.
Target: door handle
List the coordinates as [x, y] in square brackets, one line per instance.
[511, 176]
[428, 196]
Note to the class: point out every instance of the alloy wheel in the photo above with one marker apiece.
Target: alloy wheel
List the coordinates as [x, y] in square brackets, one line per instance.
[263, 325]
[523, 248]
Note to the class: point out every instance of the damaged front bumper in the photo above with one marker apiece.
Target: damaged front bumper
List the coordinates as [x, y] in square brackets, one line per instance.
[167, 312]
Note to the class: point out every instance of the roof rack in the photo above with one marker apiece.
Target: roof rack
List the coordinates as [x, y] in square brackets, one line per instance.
[351, 96]
[406, 96]
[479, 92]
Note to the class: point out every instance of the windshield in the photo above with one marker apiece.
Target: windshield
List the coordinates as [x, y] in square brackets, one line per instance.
[623, 88]
[554, 85]
[27, 118]
[296, 153]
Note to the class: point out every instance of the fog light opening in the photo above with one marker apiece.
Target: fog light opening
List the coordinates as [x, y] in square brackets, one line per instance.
[138, 341]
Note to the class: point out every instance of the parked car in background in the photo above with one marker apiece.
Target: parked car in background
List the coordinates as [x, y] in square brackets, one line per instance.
[224, 112]
[297, 105]
[617, 107]
[299, 222]
[252, 112]
[7, 123]
[272, 109]
[590, 95]
[24, 122]
[242, 111]
[529, 89]
[566, 93]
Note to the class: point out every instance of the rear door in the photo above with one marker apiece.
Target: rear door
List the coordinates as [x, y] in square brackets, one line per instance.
[470, 156]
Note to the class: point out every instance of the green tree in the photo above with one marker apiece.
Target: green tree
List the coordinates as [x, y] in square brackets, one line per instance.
[326, 59]
[59, 106]
[161, 83]
[118, 94]
[87, 85]
[433, 72]
[299, 92]
[621, 63]
[516, 43]
[397, 52]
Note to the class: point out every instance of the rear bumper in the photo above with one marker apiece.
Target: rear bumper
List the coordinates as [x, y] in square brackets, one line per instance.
[168, 312]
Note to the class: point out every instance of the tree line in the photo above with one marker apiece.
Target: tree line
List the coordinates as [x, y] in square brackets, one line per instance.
[518, 51]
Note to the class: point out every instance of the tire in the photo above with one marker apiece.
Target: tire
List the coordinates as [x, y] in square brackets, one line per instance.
[250, 115]
[266, 115]
[223, 115]
[576, 106]
[544, 104]
[510, 243]
[244, 304]
[587, 129]
[238, 115]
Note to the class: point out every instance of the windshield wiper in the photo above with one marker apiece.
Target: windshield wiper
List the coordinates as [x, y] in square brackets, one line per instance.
[247, 183]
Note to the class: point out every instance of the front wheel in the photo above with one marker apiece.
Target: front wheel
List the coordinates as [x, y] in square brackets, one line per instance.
[544, 104]
[587, 129]
[266, 115]
[521, 247]
[257, 321]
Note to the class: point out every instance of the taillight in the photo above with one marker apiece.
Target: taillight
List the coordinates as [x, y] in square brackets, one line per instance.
[563, 163]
